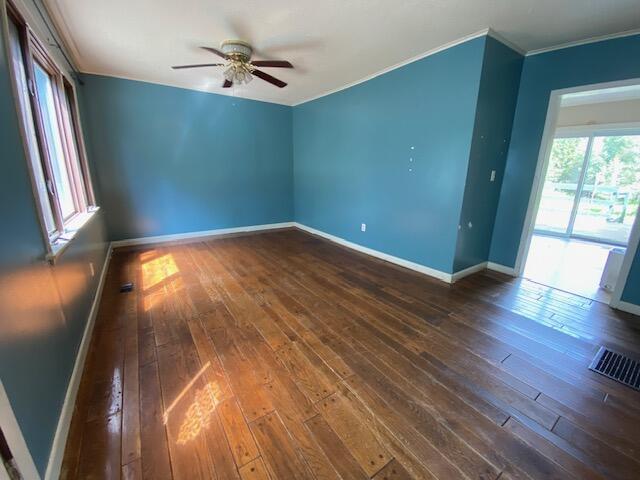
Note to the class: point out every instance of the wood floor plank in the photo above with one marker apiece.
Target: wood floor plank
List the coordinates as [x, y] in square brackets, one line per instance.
[100, 457]
[320, 465]
[480, 443]
[131, 383]
[612, 463]
[280, 355]
[601, 419]
[257, 286]
[249, 390]
[132, 470]
[146, 334]
[358, 438]
[503, 387]
[71, 458]
[254, 470]
[279, 454]
[294, 408]
[188, 406]
[453, 440]
[243, 306]
[572, 459]
[338, 455]
[420, 454]
[214, 372]
[239, 436]
[393, 471]
[153, 437]
[220, 449]
[312, 381]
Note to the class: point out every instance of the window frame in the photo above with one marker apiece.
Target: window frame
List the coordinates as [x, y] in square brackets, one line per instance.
[32, 52]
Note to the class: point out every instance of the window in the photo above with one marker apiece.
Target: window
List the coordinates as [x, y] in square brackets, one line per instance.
[48, 107]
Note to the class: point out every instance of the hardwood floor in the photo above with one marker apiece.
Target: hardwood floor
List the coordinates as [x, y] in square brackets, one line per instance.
[280, 355]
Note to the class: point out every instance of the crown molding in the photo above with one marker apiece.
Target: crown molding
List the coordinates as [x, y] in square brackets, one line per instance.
[180, 87]
[586, 41]
[53, 10]
[428, 53]
[492, 33]
[485, 32]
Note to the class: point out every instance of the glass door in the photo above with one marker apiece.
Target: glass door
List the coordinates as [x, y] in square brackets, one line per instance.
[561, 183]
[591, 188]
[609, 197]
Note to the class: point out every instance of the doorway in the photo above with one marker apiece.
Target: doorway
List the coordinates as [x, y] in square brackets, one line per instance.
[585, 199]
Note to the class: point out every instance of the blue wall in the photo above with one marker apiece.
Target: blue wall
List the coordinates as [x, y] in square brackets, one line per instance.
[352, 153]
[43, 309]
[171, 160]
[494, 116]
[583, 65]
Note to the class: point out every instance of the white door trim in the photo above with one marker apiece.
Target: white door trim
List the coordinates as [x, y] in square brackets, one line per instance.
[538, 181]
[606, 129]
[4, 475]
[15, 440]
[630, 254]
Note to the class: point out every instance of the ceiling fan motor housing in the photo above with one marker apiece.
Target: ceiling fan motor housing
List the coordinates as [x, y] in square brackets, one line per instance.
[237, 48]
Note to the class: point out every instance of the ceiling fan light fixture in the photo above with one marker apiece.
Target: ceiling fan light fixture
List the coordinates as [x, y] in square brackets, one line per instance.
[238, 72]
[239, 68]
[238, 48]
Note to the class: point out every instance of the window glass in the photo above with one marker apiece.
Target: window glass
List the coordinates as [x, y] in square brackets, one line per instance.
[36, 161]
[74, 147]
[46, 101]
[561, 184]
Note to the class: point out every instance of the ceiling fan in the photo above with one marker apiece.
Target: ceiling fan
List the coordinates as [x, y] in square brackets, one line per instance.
[239, 68]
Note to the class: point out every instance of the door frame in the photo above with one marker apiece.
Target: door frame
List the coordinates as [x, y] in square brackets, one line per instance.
[15, 440]
[544, 154]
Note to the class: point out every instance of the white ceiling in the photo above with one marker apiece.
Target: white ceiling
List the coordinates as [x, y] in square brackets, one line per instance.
[604, 95]
[332, 43]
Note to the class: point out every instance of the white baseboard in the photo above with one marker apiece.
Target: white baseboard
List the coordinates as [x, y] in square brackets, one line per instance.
[203, 233]
[468, 271]
[64, 422]
[496, 267]
[626, 307]
[432, 272]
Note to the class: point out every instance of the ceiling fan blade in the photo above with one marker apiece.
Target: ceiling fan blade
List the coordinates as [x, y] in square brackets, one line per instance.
[268, 78]
[272, 63]
[198, 65]
[227, 84]
[216, 51]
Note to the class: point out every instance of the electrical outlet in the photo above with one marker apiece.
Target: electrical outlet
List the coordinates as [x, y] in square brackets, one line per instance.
[93, 271]
[470, 225]
[493, 176]
[363, 227]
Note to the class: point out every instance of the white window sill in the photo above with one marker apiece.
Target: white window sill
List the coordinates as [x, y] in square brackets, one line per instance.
[58, 247]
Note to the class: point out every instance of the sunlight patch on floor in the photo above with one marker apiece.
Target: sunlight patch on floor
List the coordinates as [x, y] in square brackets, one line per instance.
[184, 391]
[570, 265]
[156, 270]
[199, 412]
